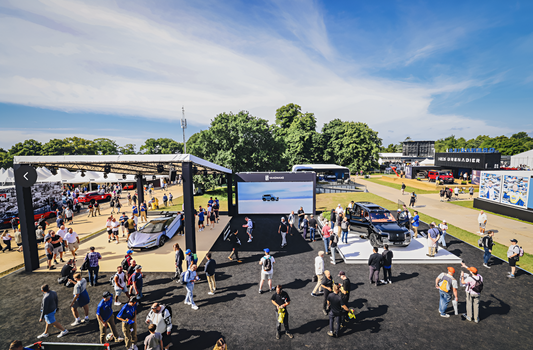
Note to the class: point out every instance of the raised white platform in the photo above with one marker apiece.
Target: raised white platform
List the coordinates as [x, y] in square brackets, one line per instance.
[358, 250]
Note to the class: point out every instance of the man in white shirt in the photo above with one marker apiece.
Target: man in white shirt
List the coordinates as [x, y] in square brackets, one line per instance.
[267, 270]
[119, 285]
[160, 316]
[444, 228]
[73, 241]
[319, 271]
[62, 232]
[482, 220]
[115, 224]
[339, 210]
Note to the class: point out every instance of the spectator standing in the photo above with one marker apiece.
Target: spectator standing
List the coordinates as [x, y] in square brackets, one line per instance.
[216, 209]
[123, 220]
[412, 200]
[319, 272]
[170, 198]
[67, 272]
[471, 191]
[128, 316]
[62, 232]
[374, 263]
[282, 230]
[131, 270]
[68, 215]
[190, 278]
[129, 199]
[6, 238]
[345, 227]
[209, 269]
[134, 198]
[292, 218]
[119, 285]
[160, 317]
[326, 234]
[104, 315]
[336, 305]
[301, 214]
[94, 265]
[433, 237]
[144, 209]
[447, 285]
[334, 240]
[135, 214]
[443, 228]
[208, 214]
[201, 218]
[338, 223]
[137, 282]
[90, 208]
[178, 261]
[96, 208]
[281, 300]
[267, 270]
[312, 228]
[17, 345]
[305, 226]
[154, 340]
[49, 250]
[249, 228]
[327, 285]
[344, 292]
[81, 299]
[73, 241]
[386, 261]
[473, 286]
[18, 239]
[456, 192]
[488, 243]
[48, 312]
[165, 199]
[213, 219]
[190, 258]
[513, 254]
[130, 226]
[332, 218]
[236, 244]
[482, 221]
[403, 189]
[415, 223]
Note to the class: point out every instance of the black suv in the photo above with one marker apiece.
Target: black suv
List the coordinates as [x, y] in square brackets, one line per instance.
[381, 226]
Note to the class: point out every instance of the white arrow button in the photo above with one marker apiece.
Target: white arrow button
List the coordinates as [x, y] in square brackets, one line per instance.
[25, 176]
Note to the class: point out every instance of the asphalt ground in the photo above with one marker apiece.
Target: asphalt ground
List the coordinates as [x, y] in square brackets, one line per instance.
[401, 315]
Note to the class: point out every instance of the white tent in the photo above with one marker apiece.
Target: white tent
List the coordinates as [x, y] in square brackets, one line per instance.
[427, 162]
[521, 159]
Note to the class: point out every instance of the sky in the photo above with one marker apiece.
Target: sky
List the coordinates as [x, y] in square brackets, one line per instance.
[125, 69]
[288, 190]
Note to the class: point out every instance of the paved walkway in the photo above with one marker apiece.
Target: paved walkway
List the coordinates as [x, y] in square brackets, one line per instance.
[465, 218]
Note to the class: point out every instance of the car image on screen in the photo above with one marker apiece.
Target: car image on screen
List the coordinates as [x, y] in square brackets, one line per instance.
[269, 197]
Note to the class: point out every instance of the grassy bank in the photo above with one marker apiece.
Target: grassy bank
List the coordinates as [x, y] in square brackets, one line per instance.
[220, 193]
[399, 186]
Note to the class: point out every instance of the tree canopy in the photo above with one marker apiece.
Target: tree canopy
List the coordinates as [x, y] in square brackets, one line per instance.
[517, 143]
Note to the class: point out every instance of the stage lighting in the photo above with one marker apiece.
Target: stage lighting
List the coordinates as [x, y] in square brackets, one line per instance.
[53, 170]
[160, 168]
[154, 177]
[107, 168]
[82, 173]
[123, 176]
[105, 175]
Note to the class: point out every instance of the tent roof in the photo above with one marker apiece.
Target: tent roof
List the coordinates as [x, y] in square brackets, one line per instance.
[145, 164]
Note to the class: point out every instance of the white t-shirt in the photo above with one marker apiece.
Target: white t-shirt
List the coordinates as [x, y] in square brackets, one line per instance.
[263, 266]
[62, 233]
[482, 218]
[71, 237]
[109, 224]
[115, 225]
[339, 210]
[443, 227]
[121, 281]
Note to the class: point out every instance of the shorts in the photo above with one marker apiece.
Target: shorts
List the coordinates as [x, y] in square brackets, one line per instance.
[76, 304]
[58, 250]
[482, 225]
[131, 230]
[266, 276]
[50, 256]
[118, 292]
[41, 240]
[512, 262]
[110, 232]
[115, 232]
[72, 246]
[50, 318]
[249, 231]
[200, 222]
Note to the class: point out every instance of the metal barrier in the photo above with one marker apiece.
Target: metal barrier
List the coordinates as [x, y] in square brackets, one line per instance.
[68, 346]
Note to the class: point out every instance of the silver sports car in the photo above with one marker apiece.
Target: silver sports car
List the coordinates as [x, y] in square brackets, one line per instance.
[155, 232]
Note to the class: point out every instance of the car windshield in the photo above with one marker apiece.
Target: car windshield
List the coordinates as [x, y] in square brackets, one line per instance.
[156, 226]
[382, 216]
[444, 173]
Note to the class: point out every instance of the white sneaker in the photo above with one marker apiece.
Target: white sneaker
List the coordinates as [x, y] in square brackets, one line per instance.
[119, 340]
[250, 240]
[118, 303]
[44, 335]
[187, 303]
[211, 293]
[116, 242]
[194, 307]
[76, 322]
[63, 333]
[487, 266]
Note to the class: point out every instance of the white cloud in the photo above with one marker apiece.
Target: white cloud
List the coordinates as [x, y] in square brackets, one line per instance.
[117, 61]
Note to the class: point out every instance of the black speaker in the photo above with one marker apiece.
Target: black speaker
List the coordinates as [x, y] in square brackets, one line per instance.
[172, 175]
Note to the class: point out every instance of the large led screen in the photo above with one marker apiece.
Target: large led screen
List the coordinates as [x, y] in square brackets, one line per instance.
[514, 191]
[274, 197]
[490, 186]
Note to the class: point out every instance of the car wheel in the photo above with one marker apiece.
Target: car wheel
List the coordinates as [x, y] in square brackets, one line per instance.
[277, 198]
[162, 240]
[272, 199]
[374, 241]
[264, 200]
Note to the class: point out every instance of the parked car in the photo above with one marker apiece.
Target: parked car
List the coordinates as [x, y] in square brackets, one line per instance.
[379, 225]
[86, 198]
[5, 218]
[130, 186]
[445, 176]
[155, 232]
[269, 197]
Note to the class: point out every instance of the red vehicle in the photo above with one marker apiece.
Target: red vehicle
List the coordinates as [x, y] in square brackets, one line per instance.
[445, 176]
[128, 186]
[93, 196]
[5, 220]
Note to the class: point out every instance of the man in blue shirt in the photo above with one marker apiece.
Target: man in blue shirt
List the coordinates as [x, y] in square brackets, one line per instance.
[104, 314]
[416, 223]
[210, 201]
[128, 316]
[249, 226]
[17, 345]
[201, 216]
[137, 282]
[165, 199]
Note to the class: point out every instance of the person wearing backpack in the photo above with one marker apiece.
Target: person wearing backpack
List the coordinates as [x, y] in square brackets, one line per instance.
[513, 254]
[474, 286]
[447, 285]
[487, 244]
[267, 270]
[119, 285]
[160, 316]
[189, 278]
[334, 240]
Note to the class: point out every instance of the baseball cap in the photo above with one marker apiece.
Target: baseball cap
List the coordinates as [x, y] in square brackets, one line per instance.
[266, 250]
[399, 209]
[443, 220]
[342, 273]
[107, 294]
[129, 251]
[514, 240]
[70, 261]
[472, 269]
[188, 251]
[138, 267]
[451, 270]
[283, 218]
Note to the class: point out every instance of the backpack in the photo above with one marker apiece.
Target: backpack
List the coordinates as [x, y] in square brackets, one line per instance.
[445, 285]
[125, 264]
[85, 265]
[267, 265]
[166, 307]
[478, 285]
[480, 242]
[182, 277]
[521, 251]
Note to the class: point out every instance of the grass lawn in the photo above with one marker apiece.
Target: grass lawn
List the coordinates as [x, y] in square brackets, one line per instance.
[399, 186]
[327, 201]
[220, 193]
[470, 204]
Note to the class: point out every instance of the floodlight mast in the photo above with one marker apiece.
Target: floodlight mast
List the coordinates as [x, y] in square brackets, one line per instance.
[184, 126]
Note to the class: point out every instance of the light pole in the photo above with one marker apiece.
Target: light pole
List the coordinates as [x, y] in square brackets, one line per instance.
[184, 126]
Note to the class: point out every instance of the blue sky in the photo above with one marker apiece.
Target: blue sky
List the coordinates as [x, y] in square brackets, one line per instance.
[124, 69]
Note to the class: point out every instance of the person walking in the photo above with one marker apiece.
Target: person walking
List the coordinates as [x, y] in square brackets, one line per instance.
[327, 285]
[447, 285]
[326, 234]
[281, 300]
[129, 199]
[165, 200]
[333, 242]
[305, 226]
[96, 208]
[403, 189]
[130, 226]
[123, 221]
[120, 285]
[128, 316]
[190, 278]
[482, 221]
[137, 282]
[235, 244]
[415, 223]
[487, 244]
[209, 269]
[344, 292]
[513, 254]
[115, 227]
[292, 218]
[319, 272]
[94, 265]
[267, 270]
[249, 228]
[345, 227]
[73, 241]
[109, 229]
[104, 315]
[68, 215]
[335, 305]
[412, 200]
[49, 307]
[161, 318]
[282, 230]
[91, 210]
[443, 228]
[301, 214]
[144, 209]
[49, 250]
[386, 262]
[201, 218]
[170, 198]
[190, 258]
[471, 191]
[433, 237]
[57, 242]
[178, 261]
[6, 238]
[473, 287]
[81, 299]
[212, 218]
[374, 263]
[312, 228]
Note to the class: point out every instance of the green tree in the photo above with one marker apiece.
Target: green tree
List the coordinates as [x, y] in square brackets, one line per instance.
[522, 135]
[127, 149]
[332, 134]
[70, 146]
[106, 146]
[301, 142]
[6, 161]
[161, 146]
[27, 148]
[285, 115]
